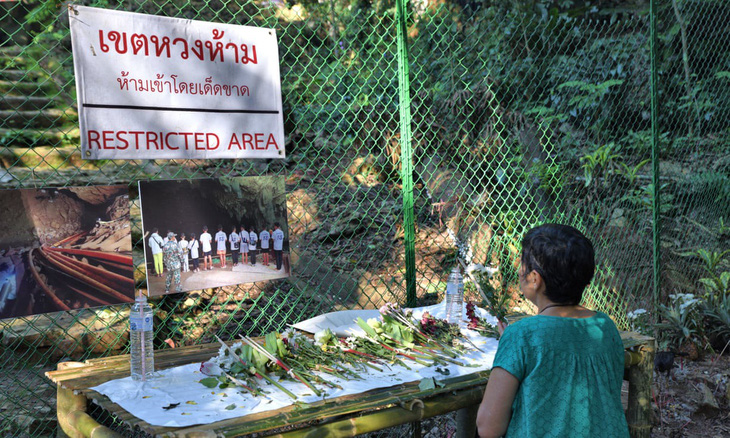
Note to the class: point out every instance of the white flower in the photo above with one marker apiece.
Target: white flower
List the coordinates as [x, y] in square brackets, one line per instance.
[475, 267]
[323, 337]
[685, 301]
[288, 334]
[210, 369]
[225, 359]
[636, 313]
[687, 304]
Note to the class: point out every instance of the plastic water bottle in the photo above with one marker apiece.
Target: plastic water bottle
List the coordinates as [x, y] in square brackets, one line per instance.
[455, 297]
[142, 359]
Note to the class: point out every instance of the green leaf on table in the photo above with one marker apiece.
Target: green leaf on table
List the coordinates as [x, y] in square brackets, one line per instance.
[369, 330]
[270, 343]
[237, 368]
[429, 383]
[209, 382]
[230, 407]
[281, 347]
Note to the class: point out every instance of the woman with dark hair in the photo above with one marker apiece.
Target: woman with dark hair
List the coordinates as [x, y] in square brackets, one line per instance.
[558, 373]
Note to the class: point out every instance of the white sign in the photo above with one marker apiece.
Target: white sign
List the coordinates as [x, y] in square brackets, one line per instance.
[154, 87]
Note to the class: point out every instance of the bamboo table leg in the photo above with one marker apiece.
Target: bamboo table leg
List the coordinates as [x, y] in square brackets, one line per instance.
[67, 402]
[466, 422]
[639, 413]
[73, 420]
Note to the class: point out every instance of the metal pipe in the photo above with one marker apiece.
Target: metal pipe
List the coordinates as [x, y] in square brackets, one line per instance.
[406, 151]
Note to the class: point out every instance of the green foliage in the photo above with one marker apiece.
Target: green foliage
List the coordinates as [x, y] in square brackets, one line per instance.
[599, 165]
[717, 319]
[643, 198]
[717, 285]
[552, 177]
[714, 300]
[631, 172]
[680, 321]
[711, 259]
[588, 95]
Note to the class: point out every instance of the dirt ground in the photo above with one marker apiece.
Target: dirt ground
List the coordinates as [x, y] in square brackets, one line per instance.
[694, 399]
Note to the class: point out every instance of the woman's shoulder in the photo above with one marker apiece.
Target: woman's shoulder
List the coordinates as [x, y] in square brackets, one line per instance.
[537, 322]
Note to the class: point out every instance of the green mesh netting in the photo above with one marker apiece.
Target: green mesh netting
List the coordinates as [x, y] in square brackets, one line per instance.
[520, 113]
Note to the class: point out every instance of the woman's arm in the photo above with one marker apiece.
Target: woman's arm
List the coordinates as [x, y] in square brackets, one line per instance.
[496, 408]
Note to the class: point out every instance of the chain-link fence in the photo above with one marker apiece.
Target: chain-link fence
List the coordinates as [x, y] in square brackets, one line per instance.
[520, 113]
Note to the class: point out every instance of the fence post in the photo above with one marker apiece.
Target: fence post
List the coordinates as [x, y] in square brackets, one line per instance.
[406, 152]
[655, 152]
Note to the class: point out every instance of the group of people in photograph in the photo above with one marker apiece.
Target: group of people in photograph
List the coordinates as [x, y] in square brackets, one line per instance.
[174, 255]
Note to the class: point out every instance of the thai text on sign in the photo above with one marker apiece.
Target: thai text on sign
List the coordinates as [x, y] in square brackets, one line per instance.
[153, 87]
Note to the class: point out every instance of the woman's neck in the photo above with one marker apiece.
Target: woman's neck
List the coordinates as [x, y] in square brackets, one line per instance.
[549, 306]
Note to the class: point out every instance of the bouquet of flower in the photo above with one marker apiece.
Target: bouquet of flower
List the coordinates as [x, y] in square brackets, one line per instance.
[399, 332]
[497, 302]
[480, 324]
[394, 339]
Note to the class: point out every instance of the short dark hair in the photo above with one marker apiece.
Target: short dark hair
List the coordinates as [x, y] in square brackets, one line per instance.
[276, 224]
[220, 227]
[205, 228]
[563, 257]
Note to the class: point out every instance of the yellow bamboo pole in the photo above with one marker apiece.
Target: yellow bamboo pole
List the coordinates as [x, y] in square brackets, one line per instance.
[394, 416]
[67, 401]
[641, 377]
[466, 421]
[88, 427]
[73, 420]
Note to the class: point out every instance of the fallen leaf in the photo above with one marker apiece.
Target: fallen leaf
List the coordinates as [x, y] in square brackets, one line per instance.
[429, 383]
[171, 406]
[231, 407]
[190, 402]
[209, 382]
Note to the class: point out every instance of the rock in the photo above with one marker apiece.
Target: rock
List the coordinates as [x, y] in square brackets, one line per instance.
[708, 406]
[97, 194]
[119, 208]
[367, 171]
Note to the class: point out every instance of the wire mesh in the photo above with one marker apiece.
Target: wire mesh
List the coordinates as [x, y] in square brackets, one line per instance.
[522, 113]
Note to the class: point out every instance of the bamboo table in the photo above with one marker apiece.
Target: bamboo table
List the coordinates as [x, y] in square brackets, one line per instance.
[341, 417]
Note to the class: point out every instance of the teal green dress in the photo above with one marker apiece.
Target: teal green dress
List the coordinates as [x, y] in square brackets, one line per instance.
[570, 372]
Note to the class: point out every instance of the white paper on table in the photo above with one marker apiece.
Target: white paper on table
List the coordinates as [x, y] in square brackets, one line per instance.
[343, 323]
[201, 405]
